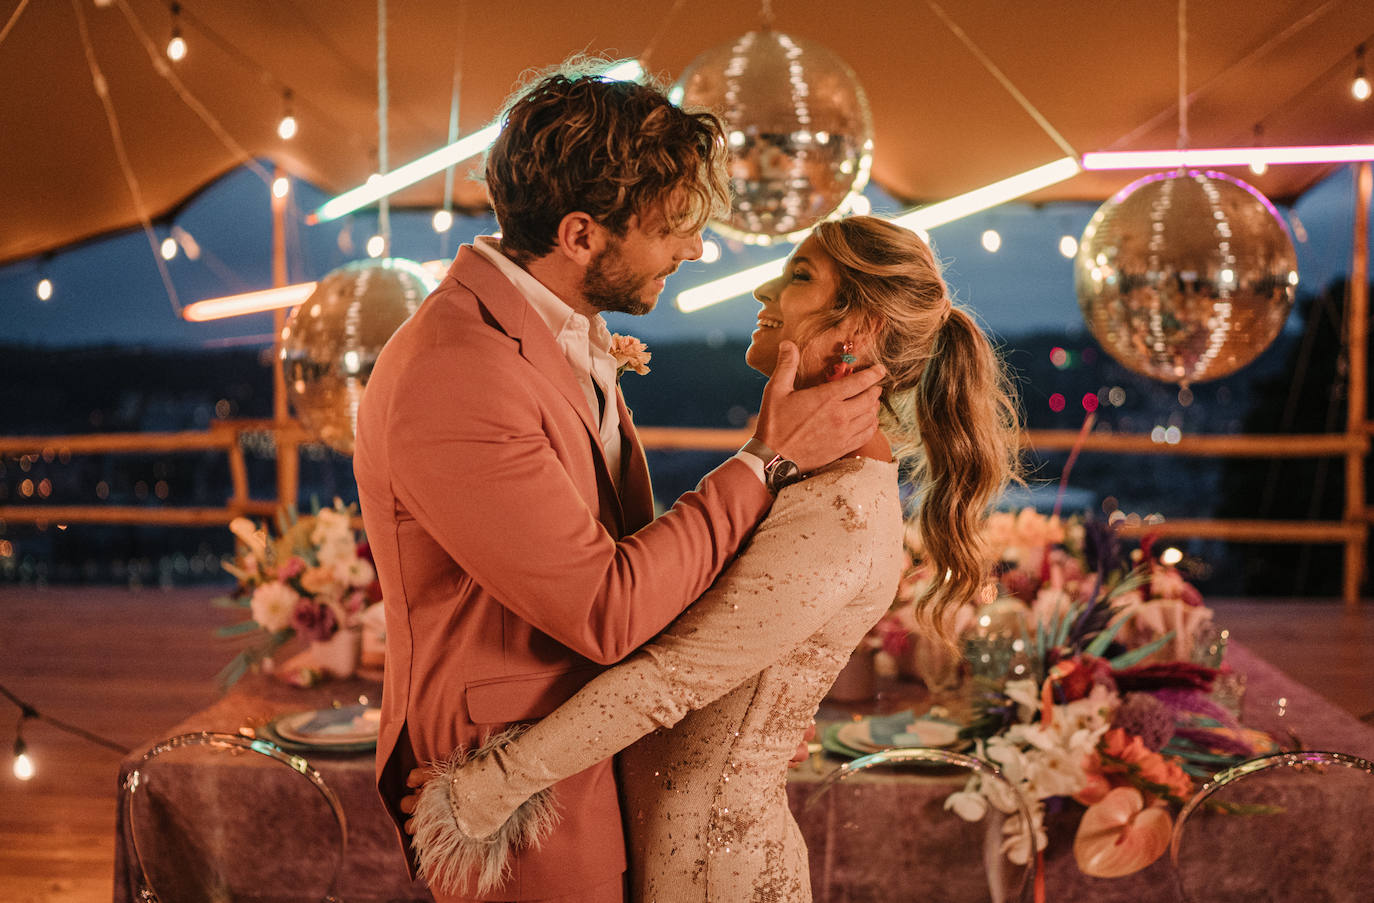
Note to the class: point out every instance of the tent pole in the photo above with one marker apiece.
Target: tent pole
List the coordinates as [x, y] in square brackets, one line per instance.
[288, 460]
[1357, 332]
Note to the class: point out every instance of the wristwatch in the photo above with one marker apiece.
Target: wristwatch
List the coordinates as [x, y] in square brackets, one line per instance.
[778, 472]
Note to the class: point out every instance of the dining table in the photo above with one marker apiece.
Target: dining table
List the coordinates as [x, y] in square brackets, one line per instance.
[878, 836]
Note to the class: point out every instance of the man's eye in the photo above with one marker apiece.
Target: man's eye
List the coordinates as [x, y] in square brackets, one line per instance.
[800, 276]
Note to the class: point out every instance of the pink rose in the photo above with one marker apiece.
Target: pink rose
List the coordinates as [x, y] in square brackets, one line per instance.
[292, 567]
[314, 622]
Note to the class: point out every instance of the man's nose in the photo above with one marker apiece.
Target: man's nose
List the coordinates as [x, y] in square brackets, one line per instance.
[692, 249]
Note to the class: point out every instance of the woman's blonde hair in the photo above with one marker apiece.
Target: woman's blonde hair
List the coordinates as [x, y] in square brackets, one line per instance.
[948, 406]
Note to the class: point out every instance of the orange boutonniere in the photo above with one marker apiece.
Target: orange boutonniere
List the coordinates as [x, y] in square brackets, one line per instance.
[630, 354]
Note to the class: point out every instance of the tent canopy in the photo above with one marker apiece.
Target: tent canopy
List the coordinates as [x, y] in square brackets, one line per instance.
[1104, 77]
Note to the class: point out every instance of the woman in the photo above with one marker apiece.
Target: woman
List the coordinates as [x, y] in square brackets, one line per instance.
[739, 675]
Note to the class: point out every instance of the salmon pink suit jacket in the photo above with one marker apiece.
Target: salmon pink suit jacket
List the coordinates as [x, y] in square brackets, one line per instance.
[512, 570]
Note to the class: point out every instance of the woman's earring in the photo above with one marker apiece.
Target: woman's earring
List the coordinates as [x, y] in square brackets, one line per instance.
[846, 364]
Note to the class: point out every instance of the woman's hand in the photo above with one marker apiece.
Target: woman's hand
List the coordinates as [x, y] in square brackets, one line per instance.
[414, 781]
[798, 758]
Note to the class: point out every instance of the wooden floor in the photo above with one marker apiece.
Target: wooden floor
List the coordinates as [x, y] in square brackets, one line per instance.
[130, 665]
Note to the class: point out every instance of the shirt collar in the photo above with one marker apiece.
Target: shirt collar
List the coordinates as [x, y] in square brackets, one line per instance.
[553, 310]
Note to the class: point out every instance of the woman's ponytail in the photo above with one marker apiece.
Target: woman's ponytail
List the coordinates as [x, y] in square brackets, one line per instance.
[948, 405]
[968, 428]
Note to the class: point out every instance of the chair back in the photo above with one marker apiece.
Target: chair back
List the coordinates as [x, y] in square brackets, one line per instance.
[195, 830]
[1288, 826]
[895, 828]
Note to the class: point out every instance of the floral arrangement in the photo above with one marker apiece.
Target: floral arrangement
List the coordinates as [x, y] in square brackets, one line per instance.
[1090, 684]
[311, 580]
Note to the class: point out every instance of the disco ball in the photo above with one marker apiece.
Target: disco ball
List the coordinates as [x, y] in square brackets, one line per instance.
[797, 126]
[1186, 276]
[331, 341]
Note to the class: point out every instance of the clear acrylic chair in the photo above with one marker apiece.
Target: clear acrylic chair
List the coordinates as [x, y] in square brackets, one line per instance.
[894, 827]
[1288, 826]
[214, 816]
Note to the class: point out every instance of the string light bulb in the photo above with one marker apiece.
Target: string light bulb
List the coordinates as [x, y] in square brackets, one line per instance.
[176, 47]
[376, 245]
[44, 289]
[281, 187]
[1068, 246]
[992, 240]
[710, 251]
[169, 248]
[287, 127]
[443, 221]
[1360, 87]
[23, 765]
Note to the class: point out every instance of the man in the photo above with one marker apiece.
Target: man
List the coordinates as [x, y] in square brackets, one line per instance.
[503, 487]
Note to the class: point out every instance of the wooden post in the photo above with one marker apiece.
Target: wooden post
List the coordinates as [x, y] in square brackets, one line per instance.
[288, 452]
[1357, 412]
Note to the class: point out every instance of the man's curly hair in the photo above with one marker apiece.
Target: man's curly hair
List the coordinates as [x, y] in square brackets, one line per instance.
[610, 149]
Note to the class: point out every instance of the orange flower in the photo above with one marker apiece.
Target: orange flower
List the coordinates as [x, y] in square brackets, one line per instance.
[1121, 834]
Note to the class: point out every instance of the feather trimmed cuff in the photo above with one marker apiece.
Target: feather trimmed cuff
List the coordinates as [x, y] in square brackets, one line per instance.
[451, 859]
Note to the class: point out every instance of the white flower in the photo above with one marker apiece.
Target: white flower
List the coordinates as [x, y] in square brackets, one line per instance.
[1016, 844]
[248, 534]
[336, 551]
[970, 805]
[1026, 694]
[357, 573]
[331, 526]
[272, 605]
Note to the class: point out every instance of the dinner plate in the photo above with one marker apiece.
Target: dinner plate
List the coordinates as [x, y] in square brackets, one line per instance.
[830, 743]
[349, 726]
[903, 729]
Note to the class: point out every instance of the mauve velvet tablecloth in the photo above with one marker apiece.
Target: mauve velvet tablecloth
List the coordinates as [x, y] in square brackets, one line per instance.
[850, 861]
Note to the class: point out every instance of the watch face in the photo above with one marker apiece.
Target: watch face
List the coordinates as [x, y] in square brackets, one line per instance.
[783, 473]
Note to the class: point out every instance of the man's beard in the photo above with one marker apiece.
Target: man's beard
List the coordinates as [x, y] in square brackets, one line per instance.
[611, 285]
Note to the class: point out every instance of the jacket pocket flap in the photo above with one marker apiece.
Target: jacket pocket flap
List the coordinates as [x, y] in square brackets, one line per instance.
[502, 700]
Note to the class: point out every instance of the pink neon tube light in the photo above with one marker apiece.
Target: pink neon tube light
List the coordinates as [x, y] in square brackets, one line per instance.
[1229, 156]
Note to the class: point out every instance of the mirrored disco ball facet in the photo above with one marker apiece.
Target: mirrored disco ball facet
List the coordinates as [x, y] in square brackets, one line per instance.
[332, 340]
[1186, 276]
[797, 126]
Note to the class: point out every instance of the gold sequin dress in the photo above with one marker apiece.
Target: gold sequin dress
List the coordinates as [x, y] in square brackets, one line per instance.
[738, 678]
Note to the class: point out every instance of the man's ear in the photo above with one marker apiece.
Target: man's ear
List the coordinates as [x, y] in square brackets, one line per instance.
[580, 238]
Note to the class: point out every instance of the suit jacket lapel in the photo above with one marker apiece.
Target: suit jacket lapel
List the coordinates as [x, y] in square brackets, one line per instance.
[519, 321]
[513, 314]
[636, 493]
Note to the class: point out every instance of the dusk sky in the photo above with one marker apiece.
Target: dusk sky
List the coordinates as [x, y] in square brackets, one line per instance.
[108, 291]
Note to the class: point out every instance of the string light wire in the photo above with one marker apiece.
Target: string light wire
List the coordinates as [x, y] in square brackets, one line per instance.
[1253, 54]
[383, 203]
[14, 17]
[27, 712]
[167, 72]
[1002, 79]
[102, 90]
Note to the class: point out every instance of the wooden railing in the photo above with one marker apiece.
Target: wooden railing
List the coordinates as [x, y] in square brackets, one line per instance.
[223, 435]
[227, 436]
